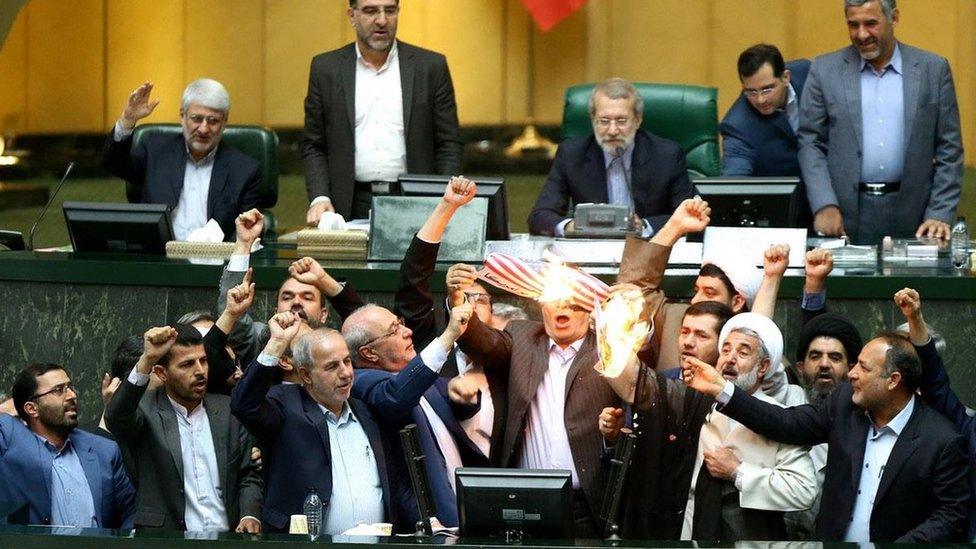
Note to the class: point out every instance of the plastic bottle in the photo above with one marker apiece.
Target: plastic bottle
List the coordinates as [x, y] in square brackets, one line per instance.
[313, 511]
[960, 243]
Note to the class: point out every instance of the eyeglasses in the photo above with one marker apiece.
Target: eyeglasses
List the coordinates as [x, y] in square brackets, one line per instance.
[57, 390]
[394, 330]
[373, 12]
[477, 297]
[199, 119]
[765, 92]
[619, 122]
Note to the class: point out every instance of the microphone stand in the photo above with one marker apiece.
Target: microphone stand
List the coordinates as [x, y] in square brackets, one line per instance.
[418, 478]
[30, 238]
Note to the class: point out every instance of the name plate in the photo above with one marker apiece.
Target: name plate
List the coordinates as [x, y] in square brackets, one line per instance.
[752, 242]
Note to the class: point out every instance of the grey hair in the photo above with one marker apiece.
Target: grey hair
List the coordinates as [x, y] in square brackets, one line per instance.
[763, 351]
[302, 352]
[208, 93]
[617, 88]
[508, 311]
[356, 333]
[887, 6]
[196, 316]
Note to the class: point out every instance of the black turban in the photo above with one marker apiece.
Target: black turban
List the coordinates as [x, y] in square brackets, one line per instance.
[830, 325]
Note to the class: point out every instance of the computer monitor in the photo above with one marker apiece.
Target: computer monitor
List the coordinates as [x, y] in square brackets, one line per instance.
[515, 503]
[751, 201]
[127, 228]
[492, 188]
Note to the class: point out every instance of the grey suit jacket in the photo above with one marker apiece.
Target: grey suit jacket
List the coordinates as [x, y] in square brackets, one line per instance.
[148, 428]
[830, 137]
[429, 119]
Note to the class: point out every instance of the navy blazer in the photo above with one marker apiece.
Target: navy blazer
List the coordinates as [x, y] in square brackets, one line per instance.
[294, 439]
[159, 162]
[924, 495]
[762, 146]
[658, 182]
[25, 470]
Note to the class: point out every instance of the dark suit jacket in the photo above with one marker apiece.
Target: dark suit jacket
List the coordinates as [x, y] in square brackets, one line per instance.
[521, 352]
[429, 119]
[659, 180]
[158, 163]
[148, 428]
[759, 145]
[924, 494]
[25, 474]
[294, 439]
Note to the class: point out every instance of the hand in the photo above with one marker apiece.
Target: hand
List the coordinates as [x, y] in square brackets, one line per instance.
[460, 277]
[721, 463]
[691, 216]
[702, 377]
[284, 326]
[7, 407]
[460, 190]
[249, 226]
[460, 314]
[909, 302]
[933, 228]
[240, 297]
[776, 259]
[622, 288]
[156, 342]
[109, 386]
[610, 423]
[138, 106]
[307, 270]
[256, 457]
[463, 389]
[248, 525]
[316, 210]
[819, 263]
[829, 221]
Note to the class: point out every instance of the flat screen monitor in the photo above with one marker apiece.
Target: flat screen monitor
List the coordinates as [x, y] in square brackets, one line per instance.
[492, 188]
[513, 504]
[751, 201]
[125, 228]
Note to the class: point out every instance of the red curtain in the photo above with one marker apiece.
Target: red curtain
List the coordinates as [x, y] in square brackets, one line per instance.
[548, 13]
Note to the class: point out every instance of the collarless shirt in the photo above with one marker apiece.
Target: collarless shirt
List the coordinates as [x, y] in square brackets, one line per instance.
[877, 450]
[546, 444]
[204, 502]
[72, 503]
[357, 495]
[381, 150]
[883, 121]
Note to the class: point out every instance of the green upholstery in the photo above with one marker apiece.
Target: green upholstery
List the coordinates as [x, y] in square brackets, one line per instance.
[686, 114]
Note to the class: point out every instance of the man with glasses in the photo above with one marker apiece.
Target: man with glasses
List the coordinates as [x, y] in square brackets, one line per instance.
[619, 164]
[759, 130]
[375, 109]
[66, 476]
[218, 181]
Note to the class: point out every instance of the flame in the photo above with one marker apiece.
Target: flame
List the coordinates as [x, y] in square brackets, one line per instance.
[620, 332]
[557, 284]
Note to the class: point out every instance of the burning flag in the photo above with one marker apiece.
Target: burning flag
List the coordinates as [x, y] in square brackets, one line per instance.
[619, 331]
[550, 282]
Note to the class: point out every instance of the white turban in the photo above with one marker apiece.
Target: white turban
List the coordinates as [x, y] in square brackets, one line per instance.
[769, 334]
[743, 275]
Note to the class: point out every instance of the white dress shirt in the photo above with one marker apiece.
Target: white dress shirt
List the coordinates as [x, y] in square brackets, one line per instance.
[478, 427]
[792, 108]
[445, 442]
[546, 441]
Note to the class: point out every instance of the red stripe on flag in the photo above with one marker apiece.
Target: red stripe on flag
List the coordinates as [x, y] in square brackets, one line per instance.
[548, 13]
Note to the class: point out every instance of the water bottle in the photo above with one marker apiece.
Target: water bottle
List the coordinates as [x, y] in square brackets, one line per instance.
[960, 243]
[313, 511]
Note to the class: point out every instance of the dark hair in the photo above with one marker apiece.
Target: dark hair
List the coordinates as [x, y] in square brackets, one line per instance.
[902, 358]
[126, 356]
[720, 311]
[714, 271]
[186, 336]
[25, 384]
[756, 56]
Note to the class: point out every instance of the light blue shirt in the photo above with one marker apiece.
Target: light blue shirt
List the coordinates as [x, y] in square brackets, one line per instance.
[618, 177]
[71, 497]
[882, 121]
[879, 445]
[357, 495]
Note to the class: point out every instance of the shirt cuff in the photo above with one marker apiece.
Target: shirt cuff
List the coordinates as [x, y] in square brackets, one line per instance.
[725, 396]
[434, 356]
[239, 263]
[318, 199]
[738, 478]
[120, 133]
[138, 378]
[813, 301]
[561, 227]
[268, 361]
[648, 230]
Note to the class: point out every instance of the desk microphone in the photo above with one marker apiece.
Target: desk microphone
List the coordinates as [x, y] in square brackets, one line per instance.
[30, 238]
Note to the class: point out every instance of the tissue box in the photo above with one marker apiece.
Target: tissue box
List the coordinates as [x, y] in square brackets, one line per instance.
[325, 244]
[184, 250]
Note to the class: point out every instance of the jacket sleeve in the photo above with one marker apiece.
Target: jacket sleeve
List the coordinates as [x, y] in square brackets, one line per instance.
[812, 136]
[447, 137]
[121, 160]
[392, 397]
[487, 346]
[738, 157]
[947, 176]
[937, 393]
[250, 404]
[124, 493]
[951, 484]
[315, 150]
[246, 337]
[804, 425]
[250, 485]
[123, 417]
[221, 365]
[413, 300]
[789, 485]
[553, 201]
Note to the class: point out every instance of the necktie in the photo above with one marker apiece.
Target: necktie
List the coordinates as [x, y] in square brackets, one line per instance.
[618, 190]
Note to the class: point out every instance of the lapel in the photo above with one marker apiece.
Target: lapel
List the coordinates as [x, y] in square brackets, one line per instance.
[315, 416]
[638, 169]
[852, 89]
[89, 462]
[782, 122]
[911, 81]
[347, 75]
[904, 447]
[171, 430]
[219, 432]
[536, 370]
[407, 68]
[218, 180]
[859, 433]
[595, 172]
[585, 357]
[174, 171]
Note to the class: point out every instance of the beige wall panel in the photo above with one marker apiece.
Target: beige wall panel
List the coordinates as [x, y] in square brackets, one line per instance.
[820, 27]
[224, 41]
[295, 31]
[516, 63]
[558, 65]
[144, 41]
[965, 78]
[13, 83]
[65, 56]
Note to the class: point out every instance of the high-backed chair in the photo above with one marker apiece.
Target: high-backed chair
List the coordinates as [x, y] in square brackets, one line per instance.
[686, 114]
[258, 142]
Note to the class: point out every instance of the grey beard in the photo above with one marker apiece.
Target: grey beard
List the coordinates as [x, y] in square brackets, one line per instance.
[815, 395]
[747, 381]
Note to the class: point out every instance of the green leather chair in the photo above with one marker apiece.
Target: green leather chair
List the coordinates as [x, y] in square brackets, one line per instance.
[258, 142]
[686, 114]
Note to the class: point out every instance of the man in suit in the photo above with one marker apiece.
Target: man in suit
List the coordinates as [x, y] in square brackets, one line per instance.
[195, 174]
[375, 109]
[315, 435]
[193, 459]
[759, 130]
[619, 164]
[896, 471]
[880, 148]
[66, 476]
